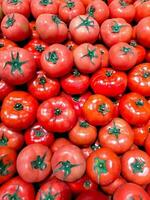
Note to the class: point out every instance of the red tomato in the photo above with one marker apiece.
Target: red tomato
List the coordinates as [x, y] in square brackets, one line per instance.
[19, 110]
[6, 44]
[17, 189]
[135, 109]
[103, 166]
[34, 33]
[115, 30]
[8, 158]
[147, 58]
[68, 163]
[147, 143]
[103, 55]
[142, 9]
[5, 89]
[59, 143]
[92, 195]
[54, 57]
[10, 138]
[42, 87]
[71, 45]
[86, 2]
[84, 28]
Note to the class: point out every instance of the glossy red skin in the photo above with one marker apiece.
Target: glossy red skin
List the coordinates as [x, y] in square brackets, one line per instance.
[34, 33]
[147, 58]
[5, 89]
[122, 9]
[121, 143]
[113, 166]
[22, 7]
[147, 144]
[19, 31]
[103, 55]
[65, 59]
[67, 13]
[92, 113]
[42, 87]
[108, 82]
[119, 59]
[56, 123]
[116, 108]
[54, 187]
[142, 9]
[132, 113]
[17, 186]
[75, 82]
[92, 195]
[130, 190]
[6, 44]
[56, 32]
[10, 138]
[71, 45]
[72, 154]
[20, 75]
[19, 119]
[110, 38]
[101, 10]
[8, 158]
[59, 143]
[139, 79]
[82, 34]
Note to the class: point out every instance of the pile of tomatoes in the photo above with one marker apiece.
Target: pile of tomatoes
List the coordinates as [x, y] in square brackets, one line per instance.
[75, 100]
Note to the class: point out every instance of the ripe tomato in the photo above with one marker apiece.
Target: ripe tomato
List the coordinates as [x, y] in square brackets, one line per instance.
[103, 166]
[19, 110]
[10, 138]
[56, 114]
[147, 58]
[92, 195]
[139, 79]
[142, 9]
[5, 89]
[6, 44]
[15, 27]
[33, 163]
[84, 28]
[34, 33]
[17, 189]
[8, 158]
[135, 109]
[59, 143]
[98, 110]
[147, 143]
[115, 30]
[57, 60]
[103, 55]
[71, 45]
[68, 163]
[42, 87]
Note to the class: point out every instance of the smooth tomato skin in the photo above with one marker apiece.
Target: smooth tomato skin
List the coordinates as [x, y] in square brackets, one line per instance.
[19, 110]
[130, 190]
[108, 82]
[98, 110]
[17, 185]
[109, 170]
[10, 138]
[6, 44]
[5, 89]
[34, 33]
[142, 9]
[62, 57]
[84, 33]
[115, 30]
[92, 195]
[8, 158]
[134, 108]
[42, 87]
[76, 165]
[59, 143]
[147, 144]
[139, 79]
[103, 55]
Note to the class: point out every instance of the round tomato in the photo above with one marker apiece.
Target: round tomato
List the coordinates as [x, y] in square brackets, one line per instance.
[5, 89]
[59, 143]
[6, 44]
[142, 9]
[92, 195]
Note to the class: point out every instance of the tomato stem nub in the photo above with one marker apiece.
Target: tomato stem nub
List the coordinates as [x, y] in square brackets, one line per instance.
[139, 102]
[91, 54]
[13, 196]
[103, 109]
[86, 22]
[133, 43]
[76, 72]
[10, 21]
[39, 163]
[146, 74]
[4, 167]
[18, 106]
[84, 124]
[126, 50]
[109, 73]
[91, 11]
[56, 19]
[100, 167]
[39, 48]
[94, 147]
[70, 4]
[137, 166]
[123, 3]
[57, 111]
[87, 184]
[52, 57]
[39, 132]
[45, 2]
[42, 80]
[3, 140]
[114, 130]
[76, 97]
[15, 2]
[116, 27]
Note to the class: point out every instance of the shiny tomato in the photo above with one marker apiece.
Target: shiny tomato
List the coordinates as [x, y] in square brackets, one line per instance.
[34, 33]
[103, 55]
[142, 9]
[5, 89]
[92, 195]
[59, 143]
[6, 44]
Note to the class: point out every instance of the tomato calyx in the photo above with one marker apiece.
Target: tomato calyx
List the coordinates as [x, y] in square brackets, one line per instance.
[39, 162]
[38, 132]
[39, 48]
[87, 184]
[1, 45]
[86, 22]
[139, 102]
[146, 74]
[48, 196]
[91, 11]
[116, 27]
[42, 80]
[103, 109]
[13, 196]
[52, 57]
[18, 106]
[15, 2]
[56, 19]
[123, 3]
[76, 97]
[3, 140]
[57, 111]
[94, 147]
[100, 167]
[109, 73]
[4, 167]
[137, 166]
[70, 4]
[135, 197]
[84, 124]
[114, 130]
[91, 54]
[10, 21]
[45, 2]
[75, 72]
[133, 43]
[126, 50]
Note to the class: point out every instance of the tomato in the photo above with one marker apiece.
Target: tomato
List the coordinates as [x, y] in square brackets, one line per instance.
[56, 114]
[8, 158]
[57, 60]
[10, 138]
[109, 82]
[98, 10]
[17, 66]
[17, 189]
[86, 2]
[134, 32]
[54, 189]
[103, 166]
[147, 58]
[147, 142]
[75, 82]
[19, 110]
[139, 79]
[92, 195]
[59, 143]
[15, 27]
[42, 87]
[56, 30]
[98, 110]
[117, 135]
[115, 30]
[142, 9]
[87, 58]
[130, 191]
[16, 6]
[143, 32]
[84, 28]
[122, 9]
[5, 89]
[70, 9]
[6, 44]
[34, 33]
[68, 163]
[71, 45]
[103, 55]
[135, 109]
